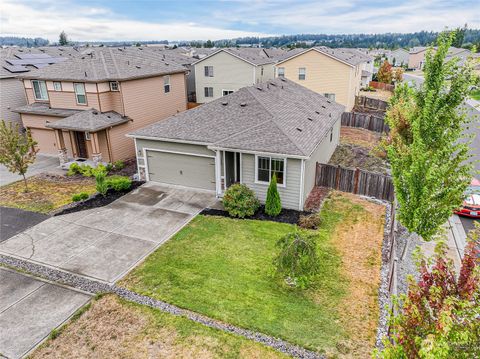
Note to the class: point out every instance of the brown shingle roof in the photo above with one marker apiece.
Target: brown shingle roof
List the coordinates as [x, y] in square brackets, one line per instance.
[89, 120]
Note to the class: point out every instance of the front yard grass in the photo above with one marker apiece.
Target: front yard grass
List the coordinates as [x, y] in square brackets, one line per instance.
[222, 268]
[45, 193]
[114, 328]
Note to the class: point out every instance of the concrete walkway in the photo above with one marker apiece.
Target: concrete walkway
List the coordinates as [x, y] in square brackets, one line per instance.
[30, 309]
[43, 163]
[105, 243]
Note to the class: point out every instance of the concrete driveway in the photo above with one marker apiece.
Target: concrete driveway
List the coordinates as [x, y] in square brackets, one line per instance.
[30, 309]
[105, 243]
[43, 163]
[14, 220]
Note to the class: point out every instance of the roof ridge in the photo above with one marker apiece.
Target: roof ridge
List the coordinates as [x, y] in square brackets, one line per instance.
[274, 117]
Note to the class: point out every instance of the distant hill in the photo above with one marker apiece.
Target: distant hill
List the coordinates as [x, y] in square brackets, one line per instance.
[23, 41]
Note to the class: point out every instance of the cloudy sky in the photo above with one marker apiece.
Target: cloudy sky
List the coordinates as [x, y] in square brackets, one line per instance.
[92, 20]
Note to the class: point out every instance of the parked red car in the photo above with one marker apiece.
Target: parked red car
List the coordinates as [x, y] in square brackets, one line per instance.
[471, 204]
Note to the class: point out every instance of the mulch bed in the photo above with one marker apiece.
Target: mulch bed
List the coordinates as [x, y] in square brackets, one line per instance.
[129, 170]
[97, 200]
[315, 198]
[289, 216]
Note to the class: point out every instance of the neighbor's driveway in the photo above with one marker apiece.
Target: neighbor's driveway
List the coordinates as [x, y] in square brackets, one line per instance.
[105, 243]
[14, 220]
[30, 309]
[43, 163]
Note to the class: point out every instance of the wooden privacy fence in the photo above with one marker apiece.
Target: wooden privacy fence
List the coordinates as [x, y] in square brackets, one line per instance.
[382, 86]
[355, 181]
[371, 103]
[364, 120]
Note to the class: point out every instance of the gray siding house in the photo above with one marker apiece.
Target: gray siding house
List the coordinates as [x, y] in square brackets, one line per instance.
[277, 127]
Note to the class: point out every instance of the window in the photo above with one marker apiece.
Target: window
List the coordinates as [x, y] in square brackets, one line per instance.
[281, 72]
[208, 71]
[114, 86]
[166, 84]
[261, 71]
[331, 135]
[208, 91]
[87, 136]
[226, 92]
[268, 166]
[330, 96]
[301, 73]
[80, 93]
[57, 86]
[40, 90]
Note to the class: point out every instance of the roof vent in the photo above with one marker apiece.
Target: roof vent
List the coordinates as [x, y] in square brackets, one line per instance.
[138, 67]
[273, 84]
[299, 129]
[95, 112]
[317, 112]
[108, 116]
[86, 74]
[282, 79]
[323, 106]
[329, 115]
[243, 104]
[259, 88]
[224, 103]
[329, 101]
[310, 119]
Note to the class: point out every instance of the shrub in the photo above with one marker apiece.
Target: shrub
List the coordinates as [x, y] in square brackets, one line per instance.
[79, 196]
[240, 201]
[310, 221]
[297, 261]
[101, 183]
[273, 204]
[119, 165]
[119, 183]
[109, 167]
[73, 169]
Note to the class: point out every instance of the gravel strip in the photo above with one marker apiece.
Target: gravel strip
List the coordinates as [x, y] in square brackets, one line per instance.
[96, 287]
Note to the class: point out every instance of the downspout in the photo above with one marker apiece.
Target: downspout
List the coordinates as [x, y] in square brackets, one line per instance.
[109, 149]
[98, 97]
[302, 185]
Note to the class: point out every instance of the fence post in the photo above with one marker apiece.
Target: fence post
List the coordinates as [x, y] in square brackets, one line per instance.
[337, 177]
[355, 180]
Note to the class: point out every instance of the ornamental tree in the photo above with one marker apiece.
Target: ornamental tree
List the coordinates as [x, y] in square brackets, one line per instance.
[273, 204]
[63, 39]
[440, 315]
[17, 150]
[385, 73]
[428, 160]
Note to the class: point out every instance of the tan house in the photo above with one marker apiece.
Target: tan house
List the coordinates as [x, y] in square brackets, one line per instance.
[334, 73]
[228, 70]
[82, 108]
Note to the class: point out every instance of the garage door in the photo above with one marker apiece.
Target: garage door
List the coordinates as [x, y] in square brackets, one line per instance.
[45, 140]
[181, 169]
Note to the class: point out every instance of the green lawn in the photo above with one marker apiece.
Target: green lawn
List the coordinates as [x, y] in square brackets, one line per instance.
[223, 268]
[475, 94]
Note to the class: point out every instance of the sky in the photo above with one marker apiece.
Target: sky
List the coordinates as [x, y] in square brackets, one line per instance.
[124, 20]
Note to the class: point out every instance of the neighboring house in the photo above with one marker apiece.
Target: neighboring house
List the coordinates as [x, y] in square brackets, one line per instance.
[416, 57]
[277, 127]
[461, 54]
[398, 57]
[82, 108]
[15, 61]
[227, 70]
[334, 73]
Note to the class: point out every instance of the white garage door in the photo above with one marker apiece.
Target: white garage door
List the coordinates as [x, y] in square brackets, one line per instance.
[181, 169]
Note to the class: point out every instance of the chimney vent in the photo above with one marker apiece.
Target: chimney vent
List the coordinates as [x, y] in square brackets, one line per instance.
[243, 104]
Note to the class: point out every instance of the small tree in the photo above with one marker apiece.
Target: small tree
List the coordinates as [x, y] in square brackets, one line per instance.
[298, 261]
[17, 150]
[273, 204]
[440, 315]
[62, 39]
[398, 74]
[385, 74]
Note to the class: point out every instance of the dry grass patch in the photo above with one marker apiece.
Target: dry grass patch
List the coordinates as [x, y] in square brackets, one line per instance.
[359, 137]
[45, 193]
[114, 328]
[359, 242]
[378, 94]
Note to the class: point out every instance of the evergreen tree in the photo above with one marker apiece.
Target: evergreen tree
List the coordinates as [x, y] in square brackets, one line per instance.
[62, 39]
[273, 204]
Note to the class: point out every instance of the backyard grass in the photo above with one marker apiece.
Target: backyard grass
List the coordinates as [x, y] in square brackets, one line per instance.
[223, 268]
[45, 193]
[360, 137]
[353, 156]
[114, 328]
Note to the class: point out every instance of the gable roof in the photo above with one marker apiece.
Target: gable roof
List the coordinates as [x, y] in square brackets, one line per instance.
[90, 120]
[350, 57]
[254, 56]
[279, 117]
[108, 64]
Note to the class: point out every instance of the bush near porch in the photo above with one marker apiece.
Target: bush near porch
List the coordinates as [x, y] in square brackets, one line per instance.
[222, 268]
[45, 193]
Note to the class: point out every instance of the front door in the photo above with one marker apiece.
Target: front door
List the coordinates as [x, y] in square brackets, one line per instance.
[81, 144]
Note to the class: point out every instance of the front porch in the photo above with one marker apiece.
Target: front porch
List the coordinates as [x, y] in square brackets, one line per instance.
[228, 170]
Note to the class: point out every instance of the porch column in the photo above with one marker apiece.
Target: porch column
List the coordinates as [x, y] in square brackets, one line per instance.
[218, 173]
[96, 154]
[62, 150]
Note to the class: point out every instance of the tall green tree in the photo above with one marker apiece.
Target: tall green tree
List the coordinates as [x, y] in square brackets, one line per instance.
[62, 39]
[17, 150]
[429, 167]
[459, 36]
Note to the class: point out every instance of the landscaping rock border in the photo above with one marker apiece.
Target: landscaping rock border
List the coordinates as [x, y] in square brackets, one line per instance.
[289, 216]
[95, 200]
[96, 287]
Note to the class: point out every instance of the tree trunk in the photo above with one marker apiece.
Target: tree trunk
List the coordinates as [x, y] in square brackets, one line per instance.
[25, 182]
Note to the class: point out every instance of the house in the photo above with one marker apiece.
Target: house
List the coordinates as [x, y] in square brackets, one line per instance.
[83, 107]
[398, 57]
[461, 54]
[335, 73]
[227, 70]
[15, 61]
[416, 57]
[277, 127]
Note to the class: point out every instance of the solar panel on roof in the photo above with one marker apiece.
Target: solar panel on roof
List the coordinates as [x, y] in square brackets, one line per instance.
[15, 68]
[32, 56]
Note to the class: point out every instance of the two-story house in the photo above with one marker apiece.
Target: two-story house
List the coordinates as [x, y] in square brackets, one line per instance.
[82, 108]
[228, 70]
[334, 73]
